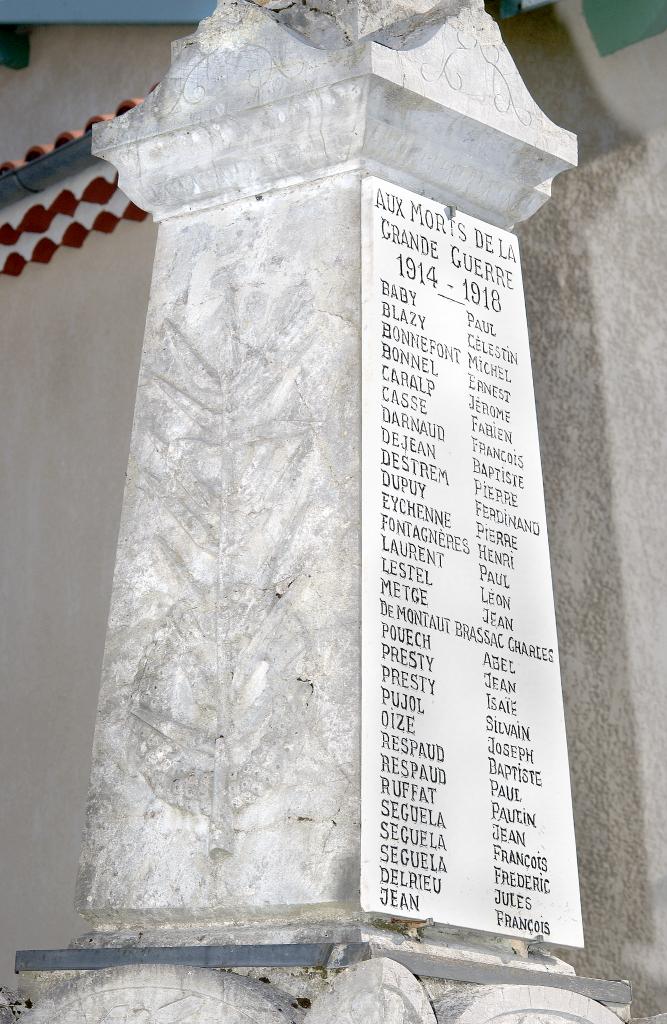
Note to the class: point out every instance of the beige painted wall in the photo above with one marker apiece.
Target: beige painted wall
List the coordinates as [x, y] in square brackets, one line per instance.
[69, 358]
[70, 337]
[594, 265]
[75, 72]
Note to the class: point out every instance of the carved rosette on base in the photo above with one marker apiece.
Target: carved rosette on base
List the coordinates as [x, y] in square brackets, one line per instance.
[377, 992]
[164, 995]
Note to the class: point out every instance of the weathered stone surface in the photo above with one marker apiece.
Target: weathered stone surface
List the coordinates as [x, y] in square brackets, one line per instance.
[331, 24]
[7, 1015]
[247, 107]
[163, 995]
[229, 707]
[519, 1004]
[377, 992]
[13, 1006]
[225, 780]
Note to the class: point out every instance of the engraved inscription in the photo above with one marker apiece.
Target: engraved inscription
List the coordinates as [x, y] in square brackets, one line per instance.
[466, 810]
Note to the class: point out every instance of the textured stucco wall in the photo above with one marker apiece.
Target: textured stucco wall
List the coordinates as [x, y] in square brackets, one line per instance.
[70, 336]
[69, 356]
[76, 71]
[594, 262]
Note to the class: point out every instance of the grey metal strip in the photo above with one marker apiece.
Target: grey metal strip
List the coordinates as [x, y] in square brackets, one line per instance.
[329, 955]
[33, 177]
[307, 954]
[617, 992]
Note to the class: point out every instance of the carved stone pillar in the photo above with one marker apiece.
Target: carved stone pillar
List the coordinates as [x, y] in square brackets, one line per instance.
[224, 800]
[225, 783]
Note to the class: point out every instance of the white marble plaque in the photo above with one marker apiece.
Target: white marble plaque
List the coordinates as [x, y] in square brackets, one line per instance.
[466, 807]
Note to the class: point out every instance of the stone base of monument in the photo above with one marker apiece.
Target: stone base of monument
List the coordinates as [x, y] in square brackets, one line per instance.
[379, 989]
[360, 971]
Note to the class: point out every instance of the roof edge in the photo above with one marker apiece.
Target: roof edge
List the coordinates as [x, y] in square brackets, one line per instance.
[38, 174]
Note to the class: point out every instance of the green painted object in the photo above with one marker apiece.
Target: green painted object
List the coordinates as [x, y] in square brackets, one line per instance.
[615, 24]
[508, 8]
[14, 48]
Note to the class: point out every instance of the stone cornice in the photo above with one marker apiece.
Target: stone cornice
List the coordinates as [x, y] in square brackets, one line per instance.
[247, 107]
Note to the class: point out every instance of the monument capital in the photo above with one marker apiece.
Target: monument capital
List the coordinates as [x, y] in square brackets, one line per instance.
[248, 107]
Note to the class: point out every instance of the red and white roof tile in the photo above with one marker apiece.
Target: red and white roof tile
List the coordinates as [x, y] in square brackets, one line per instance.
[33, 228]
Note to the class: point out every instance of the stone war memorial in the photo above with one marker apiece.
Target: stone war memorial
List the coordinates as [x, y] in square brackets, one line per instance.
[330, 778]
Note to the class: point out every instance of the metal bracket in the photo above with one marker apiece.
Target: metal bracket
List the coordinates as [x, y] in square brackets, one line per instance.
[328, 955]
[331, 956]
